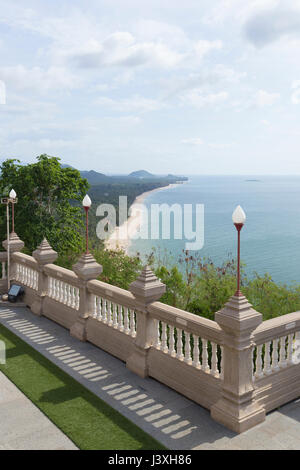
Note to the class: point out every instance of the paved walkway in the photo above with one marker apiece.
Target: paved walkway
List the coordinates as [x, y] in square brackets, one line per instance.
[23, 426]
[168, 416]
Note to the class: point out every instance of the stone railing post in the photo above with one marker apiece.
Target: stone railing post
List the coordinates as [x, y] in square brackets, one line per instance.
[86, 269]
[146, 289]
[15, 245]
[44, 254]
[237, 409]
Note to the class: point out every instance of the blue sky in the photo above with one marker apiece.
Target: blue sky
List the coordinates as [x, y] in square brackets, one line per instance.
[191, 87]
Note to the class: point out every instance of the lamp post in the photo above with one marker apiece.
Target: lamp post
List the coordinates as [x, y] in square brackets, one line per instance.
[6, 200]
[86, 204]
[238, 218]
[13, 200]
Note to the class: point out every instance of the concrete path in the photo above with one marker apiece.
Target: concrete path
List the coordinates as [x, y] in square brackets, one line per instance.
[23, 426]
[168, 416]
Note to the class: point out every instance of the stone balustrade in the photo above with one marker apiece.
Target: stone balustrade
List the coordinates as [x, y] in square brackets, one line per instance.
[237, 366]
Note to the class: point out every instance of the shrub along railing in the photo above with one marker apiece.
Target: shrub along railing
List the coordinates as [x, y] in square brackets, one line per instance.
[237, 366]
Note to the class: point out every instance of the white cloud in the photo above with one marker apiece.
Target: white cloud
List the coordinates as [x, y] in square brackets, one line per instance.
[263, 98]
[198, 99]
[2, 92]
[159, 31]
[20, 77]
[193, 141]
[295, 98]
[134, 104]
[203, 47]
[122, 49]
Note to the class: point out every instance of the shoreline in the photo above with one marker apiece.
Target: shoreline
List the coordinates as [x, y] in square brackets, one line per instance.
[121, 237]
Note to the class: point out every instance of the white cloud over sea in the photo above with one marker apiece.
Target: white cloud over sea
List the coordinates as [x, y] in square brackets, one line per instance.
[199, 87]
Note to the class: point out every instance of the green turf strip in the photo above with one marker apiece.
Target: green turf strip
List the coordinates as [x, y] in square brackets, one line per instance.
[87, 420]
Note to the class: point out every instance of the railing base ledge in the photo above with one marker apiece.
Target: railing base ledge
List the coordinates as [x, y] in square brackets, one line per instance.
[237, 419]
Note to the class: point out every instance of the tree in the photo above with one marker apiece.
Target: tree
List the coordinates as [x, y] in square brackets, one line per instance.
[47, 203]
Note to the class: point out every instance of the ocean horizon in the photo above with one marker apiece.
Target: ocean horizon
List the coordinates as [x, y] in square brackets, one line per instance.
[270, 239]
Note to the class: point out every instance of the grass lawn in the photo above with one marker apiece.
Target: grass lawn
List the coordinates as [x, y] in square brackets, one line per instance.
[87, 420]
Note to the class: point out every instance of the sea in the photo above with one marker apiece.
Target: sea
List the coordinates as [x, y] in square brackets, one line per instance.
[270, 238]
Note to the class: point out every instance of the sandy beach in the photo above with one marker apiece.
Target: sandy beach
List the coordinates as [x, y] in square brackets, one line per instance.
[121, 237]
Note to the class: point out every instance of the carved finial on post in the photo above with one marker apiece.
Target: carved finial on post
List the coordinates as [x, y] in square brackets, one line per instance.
[146, 288]
[44, 254]
[15, 243]
[86, 269]
[238, 409]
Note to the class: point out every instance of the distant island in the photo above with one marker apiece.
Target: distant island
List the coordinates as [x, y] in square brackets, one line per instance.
[253, 180]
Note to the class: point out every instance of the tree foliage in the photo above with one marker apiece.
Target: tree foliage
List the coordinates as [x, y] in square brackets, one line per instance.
[200, 286]
[46, 207]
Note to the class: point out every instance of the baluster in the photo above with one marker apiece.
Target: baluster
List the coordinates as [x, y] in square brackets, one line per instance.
[126, 321]
[120, 318]
[187, 348]
[73, 300]
[290, 349]
[258, 362]
[180, 355]
[60, 289]
[172, 350]
[164, 344]
[222, 363]
[132, 323]
[275, 355]
[68, 295]
[157, 342]
[17, 272]
[99, 308]
[115, 315]
[64, 297]
[109, 313]
[267, 365]
[214, 360]
[296, 353]
[94, 306]
[205, 365]
[196, 352]
[104, 311]
[50, 286]
[282, 353]
[77, 300]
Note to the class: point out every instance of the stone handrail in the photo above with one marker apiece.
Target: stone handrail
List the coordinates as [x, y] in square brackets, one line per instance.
[276, 327]
[113, 306]
[195, 324]
[59, 273]
[277, 344]
[188, 337]
[27, 260]
[237, 366]
[113, 293]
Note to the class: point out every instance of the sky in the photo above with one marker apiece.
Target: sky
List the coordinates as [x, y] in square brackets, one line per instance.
[193, 87]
